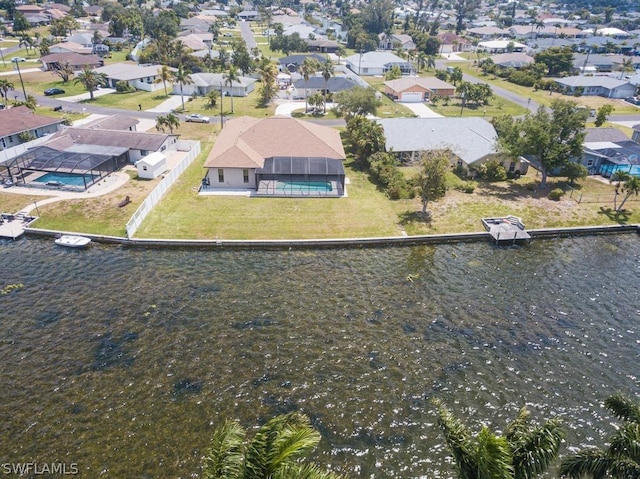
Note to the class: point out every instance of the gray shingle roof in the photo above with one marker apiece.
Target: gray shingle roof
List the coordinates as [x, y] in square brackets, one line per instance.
[471, 139]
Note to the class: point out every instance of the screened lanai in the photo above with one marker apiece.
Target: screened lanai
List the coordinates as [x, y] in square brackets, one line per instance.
[75, 170]
[301, 176]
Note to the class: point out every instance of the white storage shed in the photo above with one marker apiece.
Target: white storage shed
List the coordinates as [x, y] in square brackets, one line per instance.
[152, 165]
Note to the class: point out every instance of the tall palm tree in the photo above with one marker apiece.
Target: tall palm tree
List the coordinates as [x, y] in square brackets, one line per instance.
[327, 73]
[524, 451]
[5, 86]
[617, 178]
[421, 60]
[621, 460]
[626, 66]
[164, 75]
[341, 52]
[309, 67]
[275, 451]
[172, 121]
[230, 77]
[161, 123]
[631, 187]
[91, 80]
[183, 78]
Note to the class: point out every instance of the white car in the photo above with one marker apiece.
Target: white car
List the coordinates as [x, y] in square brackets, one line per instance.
[18, 59]
[198, 118]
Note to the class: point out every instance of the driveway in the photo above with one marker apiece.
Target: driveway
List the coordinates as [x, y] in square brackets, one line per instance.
[171, 103]
[285, 109]
[421, 110]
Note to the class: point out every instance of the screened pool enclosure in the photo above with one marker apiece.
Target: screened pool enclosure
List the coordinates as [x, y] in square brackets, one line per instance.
[45, 167]
[300, 177]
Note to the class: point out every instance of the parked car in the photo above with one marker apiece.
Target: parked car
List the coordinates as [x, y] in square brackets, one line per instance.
[198, 118]
[53, 91]
[18, 59]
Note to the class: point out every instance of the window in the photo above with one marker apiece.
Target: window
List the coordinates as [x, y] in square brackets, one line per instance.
[220, 175]
[144, 167]
[512, 166]
[245, 176]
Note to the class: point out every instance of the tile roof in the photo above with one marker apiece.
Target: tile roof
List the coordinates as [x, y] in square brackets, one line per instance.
[245, 141]
[604, 134]
[430, 83]
[20, 118]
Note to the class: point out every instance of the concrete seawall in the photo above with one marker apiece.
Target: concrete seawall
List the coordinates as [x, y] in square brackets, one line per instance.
[339, 243]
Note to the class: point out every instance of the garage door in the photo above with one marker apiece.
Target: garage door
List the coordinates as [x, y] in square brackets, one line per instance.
[411, 97]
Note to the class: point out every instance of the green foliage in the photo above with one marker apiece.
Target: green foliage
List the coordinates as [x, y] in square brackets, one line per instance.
[603, 114]
[621, 459]
[393, 74]
[466, 187]
[357, 101]
[123, 87]
[492, 170]
[288, 43]
[552, 137]
[277, 450]
[430, 182]
[574, 171]
[384, 168]
[556, 194]
[557, 60]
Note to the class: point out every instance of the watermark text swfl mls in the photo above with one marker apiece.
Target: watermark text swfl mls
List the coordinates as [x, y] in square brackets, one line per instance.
[38, 468]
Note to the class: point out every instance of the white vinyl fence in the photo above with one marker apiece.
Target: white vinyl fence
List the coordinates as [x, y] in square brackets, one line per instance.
[193, 147]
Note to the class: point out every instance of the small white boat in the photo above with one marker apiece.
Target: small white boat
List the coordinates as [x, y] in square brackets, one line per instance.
[73, 241]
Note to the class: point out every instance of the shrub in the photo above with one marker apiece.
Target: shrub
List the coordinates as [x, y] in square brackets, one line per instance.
[466, 187]
[124, 87]
[461, 171]
[556, 194]
[493, 171]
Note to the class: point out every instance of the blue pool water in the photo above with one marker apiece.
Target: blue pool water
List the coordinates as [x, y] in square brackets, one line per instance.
[305, 186]
[633, 171]
[67, 179]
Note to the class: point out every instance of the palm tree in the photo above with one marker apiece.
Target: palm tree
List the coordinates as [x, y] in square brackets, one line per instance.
[269, 74]
[308, 68]
[631, 187]
[276, 450]
[431, 62]
[617, 178]
[212, 98]
[524, 451]
[627, 66]
[172, 121]
[91, 80]
[161, 123]
[421, 60]
[327, 73]
[183, 78]
[340, 52]
[164, 75]
[230, 77]
[5, 86]
[621, 460]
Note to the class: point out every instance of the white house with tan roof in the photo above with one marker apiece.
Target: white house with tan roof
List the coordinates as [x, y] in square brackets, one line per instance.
[417, 89]
[276, 156]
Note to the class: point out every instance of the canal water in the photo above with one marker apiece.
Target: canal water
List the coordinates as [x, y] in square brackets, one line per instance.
[123, 361]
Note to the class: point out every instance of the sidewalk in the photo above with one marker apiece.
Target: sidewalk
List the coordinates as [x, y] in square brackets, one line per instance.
[86, 96]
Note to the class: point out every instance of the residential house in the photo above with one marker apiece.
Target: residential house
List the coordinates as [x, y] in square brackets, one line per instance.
[76, 61]
[203, 83]
[138, 76]
[501, 46]
[606, 150]
[316, 84]
[396, 40]
[20, 124]
[377, 63]
[322, 46]
[608, 87]
[417, 89]
[292, 63]
[603, 63]
[71, 47]
[452, 43]
[512, 60]
[248, 15]
[487, 33]
[470, 140]
[264, 155]
[113, 122]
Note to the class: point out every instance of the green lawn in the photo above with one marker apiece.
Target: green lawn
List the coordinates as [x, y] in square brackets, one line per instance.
[544, 97]
[130, 101]
[366, 212]
[241, 106]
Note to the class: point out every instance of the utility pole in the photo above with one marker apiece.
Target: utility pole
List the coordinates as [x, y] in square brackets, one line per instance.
[15, 60]
[221, 114]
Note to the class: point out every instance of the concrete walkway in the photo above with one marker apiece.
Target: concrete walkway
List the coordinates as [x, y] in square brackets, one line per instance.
[421, 110]
[170, 104]
[285, 109]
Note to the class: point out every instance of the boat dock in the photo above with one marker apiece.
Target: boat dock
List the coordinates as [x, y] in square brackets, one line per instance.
[12, 226]
[506, 229]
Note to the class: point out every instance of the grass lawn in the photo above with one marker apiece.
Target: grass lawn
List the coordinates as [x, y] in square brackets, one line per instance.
[38, 82]
[8, 66]
[241, 106]
[130, 101]
[365, 213]
[12, 203]
[543, 97]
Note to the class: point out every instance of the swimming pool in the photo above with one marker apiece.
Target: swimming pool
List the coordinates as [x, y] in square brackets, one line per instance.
[633, 171]
[304, 186]
[68, 179]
